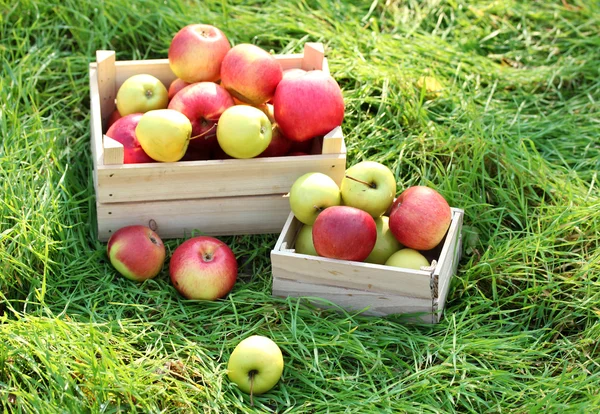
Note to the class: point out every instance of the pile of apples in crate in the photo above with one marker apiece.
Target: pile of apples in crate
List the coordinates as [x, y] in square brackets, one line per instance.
[226, 102]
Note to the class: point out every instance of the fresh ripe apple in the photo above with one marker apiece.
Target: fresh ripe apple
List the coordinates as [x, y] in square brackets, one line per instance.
[293, 72]
[136, 252]
[141, 93]
[250, 73]
[386, 243]
[243, 131]
[114, 117]
[279, 145]
[203, 267]
[255, 365]
[312, 193]
[304, 146]
[304, 242]
[345, 233]
[196, 53]
[420, 218]
[308, 105]
[202, 103]
[408, 259]
[123, 131]
[176, 86]
[370, 186]
[164, 134]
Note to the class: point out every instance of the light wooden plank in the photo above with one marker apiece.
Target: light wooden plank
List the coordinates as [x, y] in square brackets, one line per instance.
[105, 66]
[288, 233]
[95, 125]
[314, 53]
[291, 61]
[333, 142]
[158, 68]
[454, 254]
[114, 153]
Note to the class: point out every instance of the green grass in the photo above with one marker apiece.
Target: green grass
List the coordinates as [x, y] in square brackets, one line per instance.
[513, 140]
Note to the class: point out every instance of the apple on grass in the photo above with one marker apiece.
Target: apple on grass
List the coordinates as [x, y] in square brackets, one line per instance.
[304, 241]
[123, 131]
[203, 267]
[164, 134]
[243, 131]
[407, 259]
[386, 243]
[369, 186]
[141, 93]
[136, 252]
[312, 193]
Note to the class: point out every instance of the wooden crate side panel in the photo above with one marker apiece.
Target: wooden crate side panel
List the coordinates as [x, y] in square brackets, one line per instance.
[158, 68]
[288, 234]
[96, 126]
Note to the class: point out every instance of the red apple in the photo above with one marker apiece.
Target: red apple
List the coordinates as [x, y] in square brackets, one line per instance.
[308, 105]
[202, 103]
[196, 52]
[176, 86]
[420, 217]
[304, 146]
[343, 232]
[279, 145]
[203, 267]
[114, 117]
[123, 131]
[136, 252]
[250, 73]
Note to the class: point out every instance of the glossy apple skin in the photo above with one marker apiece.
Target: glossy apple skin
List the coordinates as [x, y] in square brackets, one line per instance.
[311, 194]
[386, 243]
[176, 86]
[308, 105]
[136, 252]
[408, 259]
[196, 53]
[304, 242]
[203, 268]
[123, 131]
[114, 117]
[345, 233]
[420, 217]
[202, 103]
[250, 73]
[141, 93]
[370, 186]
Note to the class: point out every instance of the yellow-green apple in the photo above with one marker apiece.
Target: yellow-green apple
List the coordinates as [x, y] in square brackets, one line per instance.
[312, 193]
[279, 144]
[304, 242]
[420, 217]
[408, 259]
[123, 131]
[203, 267]
[250, 73]
[308, 105]
[114, 117]
[345, 233]
[370, 186]
[141, 93]
[386, 243]
[136, 252]
[164, 134]
[176, 86]
[202, 103]
[243, 131]
[196, 53]
[255, 365]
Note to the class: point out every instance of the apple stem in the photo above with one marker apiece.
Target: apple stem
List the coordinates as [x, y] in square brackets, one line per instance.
[205, 132]
[372, 185]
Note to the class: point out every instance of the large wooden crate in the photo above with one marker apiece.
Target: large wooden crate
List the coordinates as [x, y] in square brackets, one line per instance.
[377, 289]
[215, 197]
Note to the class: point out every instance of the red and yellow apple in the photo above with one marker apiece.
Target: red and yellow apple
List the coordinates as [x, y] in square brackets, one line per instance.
[176, 86]
[123, 131]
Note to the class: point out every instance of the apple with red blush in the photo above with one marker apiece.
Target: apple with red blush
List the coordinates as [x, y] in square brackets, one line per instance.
[123, 131]
[176, 86]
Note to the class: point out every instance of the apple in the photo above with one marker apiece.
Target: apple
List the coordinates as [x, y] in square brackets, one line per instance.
[408, 259]
[243, 131]
[164, 134]
[420, 217]
[203, 267]
[370, 186]
[255, 365]
[312, 193]
[196, 53]
[114, 117]
[279, 145]
[386, 243]
[136, 252]
[303, 147]
[202, 103]
[250, 73]
[345, 233]
[123, 131]
[176, 86]
[304, 242]
[308, 105]
[141, 93]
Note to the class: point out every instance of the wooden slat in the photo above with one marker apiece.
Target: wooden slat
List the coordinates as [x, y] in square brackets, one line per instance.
[95, 125]
[291, 61]
[314, 53]
[333, 142]
[449, 257]
[114, 153]
[158, 68]
[105, 66]
[288, 233]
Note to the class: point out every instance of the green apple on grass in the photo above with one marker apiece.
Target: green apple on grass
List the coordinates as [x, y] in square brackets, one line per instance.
[369, 186]
[386, 243]
[243, 131]
[408, 259]
[141, 93]
[312, 193]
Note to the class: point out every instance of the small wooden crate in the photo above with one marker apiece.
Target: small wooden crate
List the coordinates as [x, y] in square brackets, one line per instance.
[377, 289]
[216, 197]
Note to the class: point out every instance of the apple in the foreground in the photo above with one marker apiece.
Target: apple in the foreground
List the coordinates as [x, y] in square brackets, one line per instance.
[141, 93]
[203, 267]
[312, 193]
[408, 259]
[304, 242]
[196, 53]
[345, 233]
[202, 103]
[370, 186]
[250, 73]
[136, 252]
[176, 86]
[386, 243]
[123, 131]
[255, 365]
[243, 131]
[308, 105]
[164, 134]
[420, 217]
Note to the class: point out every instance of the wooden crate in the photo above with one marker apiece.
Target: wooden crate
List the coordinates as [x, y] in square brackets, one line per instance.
[381, 290]
[215, 197]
